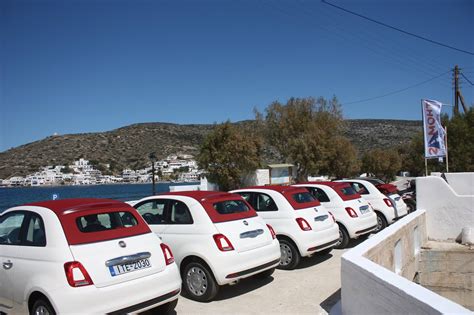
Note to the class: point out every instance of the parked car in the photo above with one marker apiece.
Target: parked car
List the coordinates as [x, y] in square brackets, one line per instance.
[217, 238]
[353, 214]
[387, 207]
[89, 256]
[302, 226]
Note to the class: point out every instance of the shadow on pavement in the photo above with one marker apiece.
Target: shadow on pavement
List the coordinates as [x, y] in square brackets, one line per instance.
[328, 303]
[307, 262]
[242, 287]
[354, 243]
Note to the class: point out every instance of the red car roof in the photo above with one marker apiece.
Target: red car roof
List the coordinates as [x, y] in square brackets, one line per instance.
[288, 192]
[387, 188]
[70, 210]
[208, 198]
[202, 194]
[61, 206]
[338, 188]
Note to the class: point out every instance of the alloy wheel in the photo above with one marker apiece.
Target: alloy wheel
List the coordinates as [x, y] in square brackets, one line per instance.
[196, 280]
[286, 255]
[41, 310]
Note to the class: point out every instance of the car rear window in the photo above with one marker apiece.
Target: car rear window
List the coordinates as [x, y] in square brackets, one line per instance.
[105, 221]
[346, 192]
[300, 198]
[231, 206]
[97, 225]
[303, 197]
[228, 209]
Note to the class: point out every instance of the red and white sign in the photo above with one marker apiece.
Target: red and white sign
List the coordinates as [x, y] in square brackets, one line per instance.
[433, 131]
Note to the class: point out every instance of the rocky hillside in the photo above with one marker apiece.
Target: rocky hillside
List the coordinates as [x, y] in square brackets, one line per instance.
[128, 147]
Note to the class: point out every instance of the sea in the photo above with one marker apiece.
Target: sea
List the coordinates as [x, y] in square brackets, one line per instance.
[16, 196]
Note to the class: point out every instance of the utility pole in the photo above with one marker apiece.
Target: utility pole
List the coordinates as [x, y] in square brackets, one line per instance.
[457, 93]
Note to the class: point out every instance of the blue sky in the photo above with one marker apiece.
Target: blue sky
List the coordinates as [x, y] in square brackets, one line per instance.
[86, 66]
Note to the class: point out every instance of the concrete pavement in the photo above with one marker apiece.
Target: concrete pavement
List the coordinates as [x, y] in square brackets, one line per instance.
[312, 288]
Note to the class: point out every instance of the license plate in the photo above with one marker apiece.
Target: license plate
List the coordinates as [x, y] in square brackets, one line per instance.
[125, 268]
[364, 209]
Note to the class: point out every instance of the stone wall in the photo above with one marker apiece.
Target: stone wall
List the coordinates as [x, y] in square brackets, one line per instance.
[448, 269]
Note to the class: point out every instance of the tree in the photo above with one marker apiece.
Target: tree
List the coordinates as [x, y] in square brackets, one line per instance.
[304, 131]
[460, 147]
[228, 154]
[344, 161]
[383, 163]
[461, 142]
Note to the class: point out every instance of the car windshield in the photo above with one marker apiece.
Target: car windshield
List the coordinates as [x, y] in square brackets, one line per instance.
[231, 206]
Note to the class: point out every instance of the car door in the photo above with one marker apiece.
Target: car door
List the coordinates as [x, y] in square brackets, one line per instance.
[153, 212]
[10, 241]
[267, 208]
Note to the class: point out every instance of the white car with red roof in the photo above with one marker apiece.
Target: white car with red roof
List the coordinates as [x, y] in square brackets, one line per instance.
[388, 208]
[217, 238]
[302, 226]
[353, 214]
[88, 256]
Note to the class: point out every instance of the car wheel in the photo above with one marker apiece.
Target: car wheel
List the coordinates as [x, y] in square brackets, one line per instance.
[42, 307]
[381, 223]
[167, 308]
[199, 283]
[411, 206]
[265, 274]
[343, 238]
[290, 257]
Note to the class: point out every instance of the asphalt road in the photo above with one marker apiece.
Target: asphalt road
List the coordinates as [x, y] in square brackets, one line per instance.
[312, 288]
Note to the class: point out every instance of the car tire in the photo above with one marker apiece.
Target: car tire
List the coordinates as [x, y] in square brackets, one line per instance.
[325, 252]
[381, 222]
[198, 282]
[411, 206]
[265, 274]
[290, 256]
[167, 308]
[42, 307]
[343, 238]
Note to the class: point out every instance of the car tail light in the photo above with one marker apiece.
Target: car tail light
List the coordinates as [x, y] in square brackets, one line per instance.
[332, 216]
[304, 225]
[351, 212]
[76, 274]
[169, 258]
[271, 231]
[388, 202]
[223, 243]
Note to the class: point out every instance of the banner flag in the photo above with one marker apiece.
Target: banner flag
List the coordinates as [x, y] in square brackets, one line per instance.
[433, 131]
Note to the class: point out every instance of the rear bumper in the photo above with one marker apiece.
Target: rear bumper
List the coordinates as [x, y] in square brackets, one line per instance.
[130, 296]
[148, 304]
[231, 266]
[309, 242]
[360, 225]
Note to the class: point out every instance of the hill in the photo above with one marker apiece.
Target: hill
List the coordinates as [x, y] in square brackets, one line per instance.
[128, 147]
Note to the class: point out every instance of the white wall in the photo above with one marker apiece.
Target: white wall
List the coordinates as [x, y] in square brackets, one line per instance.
[462, 183]
[368, 288]
[447, 212]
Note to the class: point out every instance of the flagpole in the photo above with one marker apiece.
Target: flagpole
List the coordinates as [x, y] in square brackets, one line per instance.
[446, 145]
[424, 138]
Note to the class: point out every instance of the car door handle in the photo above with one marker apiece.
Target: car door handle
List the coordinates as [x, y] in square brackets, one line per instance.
[7, 265]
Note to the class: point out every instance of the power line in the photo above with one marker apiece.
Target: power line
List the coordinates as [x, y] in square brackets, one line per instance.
[343, 36]
[397, 91]
[466, 79]
[398, 29]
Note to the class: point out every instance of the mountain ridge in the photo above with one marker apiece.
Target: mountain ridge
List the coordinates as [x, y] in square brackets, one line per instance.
[129, 146]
